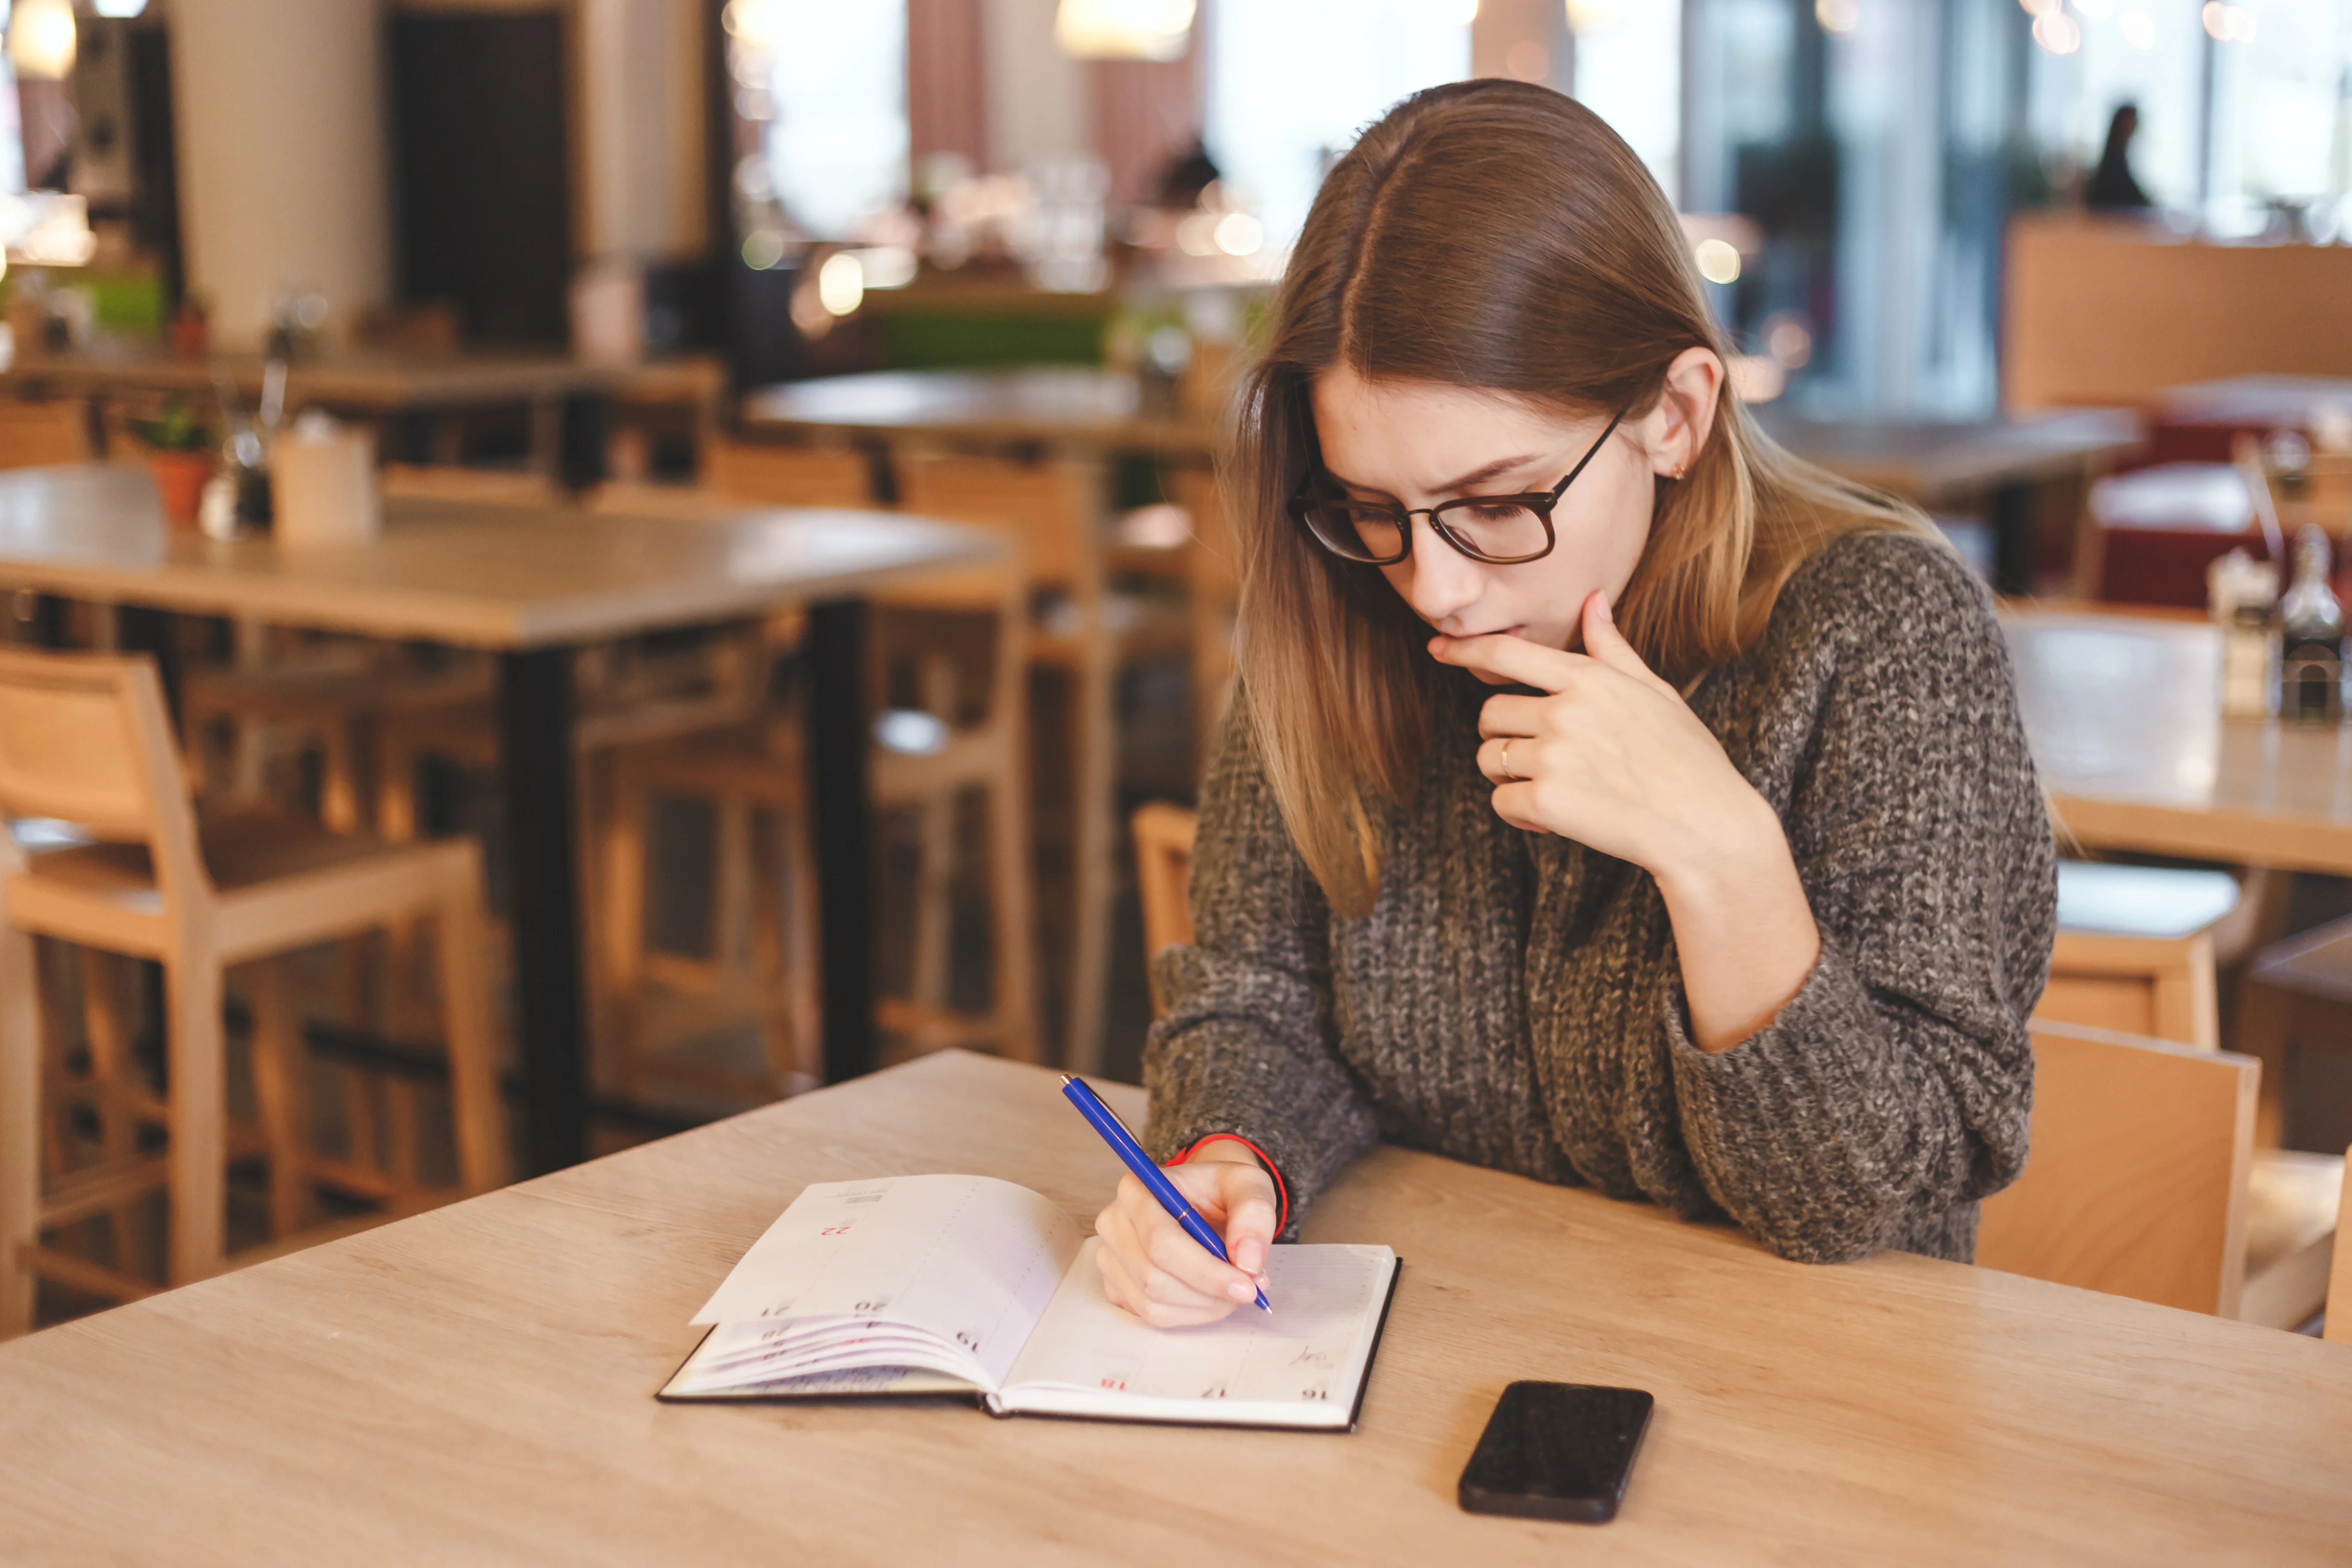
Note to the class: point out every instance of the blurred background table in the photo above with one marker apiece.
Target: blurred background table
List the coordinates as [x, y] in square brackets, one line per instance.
[1040, 406]
[553, 389]
[2125, 716]
[477, 1384]
[532, 585]
[1994, 466]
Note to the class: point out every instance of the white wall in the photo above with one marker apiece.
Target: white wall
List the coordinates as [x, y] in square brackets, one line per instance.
[284, 155]
[1038, 102]
[641, 119]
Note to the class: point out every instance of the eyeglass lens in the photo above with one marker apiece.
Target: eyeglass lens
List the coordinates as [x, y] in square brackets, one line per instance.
[1503, 531]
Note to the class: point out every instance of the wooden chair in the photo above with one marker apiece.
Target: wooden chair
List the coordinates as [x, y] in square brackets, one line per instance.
[1203, 562]
[2339, 1282]
[1163, 861]
[38, 435]
[84, 738]
[2144, 1182]
[482, 487]
[1053, 509]
[2297, 997]
[786, 476]
[2138, 947]
[756, 779]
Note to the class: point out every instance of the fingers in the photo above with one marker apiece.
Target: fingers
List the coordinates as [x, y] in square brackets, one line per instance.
[1120, 1287]
[1251, 1215]
[1160, 1266]
[1605, 643]
[1507, 658]
[1505, 716]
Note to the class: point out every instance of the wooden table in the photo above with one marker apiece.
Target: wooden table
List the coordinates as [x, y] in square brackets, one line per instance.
[370, 383]
[1059, 406]
[1994, 464]
[2124, 717]
[531, 585]
[1989, 465]
[475, 1385]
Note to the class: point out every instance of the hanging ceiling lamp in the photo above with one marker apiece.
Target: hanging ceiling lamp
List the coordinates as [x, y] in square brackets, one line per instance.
[1124, 29]
[41, 39]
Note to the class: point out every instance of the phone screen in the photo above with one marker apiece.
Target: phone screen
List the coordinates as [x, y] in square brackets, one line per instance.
[1555, 1450]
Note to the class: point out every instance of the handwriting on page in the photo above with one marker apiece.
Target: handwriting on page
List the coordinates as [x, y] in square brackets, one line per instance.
[1322, 1298]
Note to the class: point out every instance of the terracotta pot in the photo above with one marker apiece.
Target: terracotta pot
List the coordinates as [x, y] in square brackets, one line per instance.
[180, 482]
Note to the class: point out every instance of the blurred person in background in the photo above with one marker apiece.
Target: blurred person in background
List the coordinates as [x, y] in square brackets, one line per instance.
[2112, 187]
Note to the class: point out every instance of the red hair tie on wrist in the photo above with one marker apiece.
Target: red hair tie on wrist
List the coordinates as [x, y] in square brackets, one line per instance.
[1281, 1187]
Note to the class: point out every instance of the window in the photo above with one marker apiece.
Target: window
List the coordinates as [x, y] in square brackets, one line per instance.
[1629, 71]
[828, 81]
[1291, 82]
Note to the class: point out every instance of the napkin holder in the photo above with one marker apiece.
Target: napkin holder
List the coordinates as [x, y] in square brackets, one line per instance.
[324, 477]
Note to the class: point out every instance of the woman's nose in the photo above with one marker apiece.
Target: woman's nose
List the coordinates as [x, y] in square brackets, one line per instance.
[1444, 581]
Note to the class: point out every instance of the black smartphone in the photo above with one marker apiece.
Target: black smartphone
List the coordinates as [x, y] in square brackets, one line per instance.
[1556, 1450]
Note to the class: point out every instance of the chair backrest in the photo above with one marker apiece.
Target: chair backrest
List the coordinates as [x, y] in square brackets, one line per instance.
[483, 487]
[2156, 986]
[1213, 562]
[1163, 860]
[1050, 506]
[2339, 1326]
[2137, 1182]
[36, 434]
[84, 737]
[787, 475]
[667, 503]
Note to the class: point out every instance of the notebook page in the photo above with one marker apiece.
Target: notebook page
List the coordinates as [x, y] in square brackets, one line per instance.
[1311, 1351]
[969, 1259]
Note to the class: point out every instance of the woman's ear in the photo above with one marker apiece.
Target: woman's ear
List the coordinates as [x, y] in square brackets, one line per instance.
[1677, 427]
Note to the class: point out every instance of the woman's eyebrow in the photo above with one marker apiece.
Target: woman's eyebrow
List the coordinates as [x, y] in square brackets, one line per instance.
[1475, 476]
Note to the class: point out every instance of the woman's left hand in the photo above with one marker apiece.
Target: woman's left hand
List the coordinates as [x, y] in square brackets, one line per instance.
[1609, 756]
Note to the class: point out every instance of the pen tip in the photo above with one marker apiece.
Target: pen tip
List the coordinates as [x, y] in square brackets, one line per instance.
[1067, 1080]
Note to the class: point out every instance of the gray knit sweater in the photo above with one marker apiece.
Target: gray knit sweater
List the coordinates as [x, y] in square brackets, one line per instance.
[1513, 999]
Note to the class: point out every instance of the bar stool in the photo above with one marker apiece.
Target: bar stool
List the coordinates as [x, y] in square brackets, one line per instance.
[925, 760]
[2297, 997]
[84, 739]
[2138, 947]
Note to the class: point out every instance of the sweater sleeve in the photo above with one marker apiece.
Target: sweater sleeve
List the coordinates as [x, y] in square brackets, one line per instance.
[1245, 1045]
[1894, 1086]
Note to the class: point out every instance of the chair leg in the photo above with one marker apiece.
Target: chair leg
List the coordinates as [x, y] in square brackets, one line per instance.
[102, 982]
[339, 787]
[734, 891]
[280, 1082]
[772, 956]
[624, 897]
[801, 958]
[464, 976]
[1011, 872]
[2265, 1028]
[20, 1120]
[192, 985]
[934, 899]
[1093, 880]
[935, 826]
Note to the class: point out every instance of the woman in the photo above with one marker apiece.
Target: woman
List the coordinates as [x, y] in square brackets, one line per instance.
[1738, 892]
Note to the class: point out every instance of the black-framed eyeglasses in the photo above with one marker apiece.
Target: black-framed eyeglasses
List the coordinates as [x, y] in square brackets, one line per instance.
[1501, 531]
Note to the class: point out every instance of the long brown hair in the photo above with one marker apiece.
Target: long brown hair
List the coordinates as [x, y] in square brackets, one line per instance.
[1492, 235]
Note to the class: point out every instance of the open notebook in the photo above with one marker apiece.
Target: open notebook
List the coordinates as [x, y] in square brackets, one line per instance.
[970, 1285]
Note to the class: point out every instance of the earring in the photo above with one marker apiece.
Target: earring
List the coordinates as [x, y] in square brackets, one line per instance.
[1678, 470]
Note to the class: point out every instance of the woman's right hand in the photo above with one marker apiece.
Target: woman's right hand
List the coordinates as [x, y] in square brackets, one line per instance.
[1151, 1267]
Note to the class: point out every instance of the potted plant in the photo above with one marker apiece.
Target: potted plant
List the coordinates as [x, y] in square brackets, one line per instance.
[181, 449]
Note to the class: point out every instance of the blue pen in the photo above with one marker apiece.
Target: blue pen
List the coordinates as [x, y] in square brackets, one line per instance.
[1155, 1181]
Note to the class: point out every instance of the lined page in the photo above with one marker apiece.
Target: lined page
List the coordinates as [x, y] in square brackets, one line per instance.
[969, 1259]
[1309, 1351]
